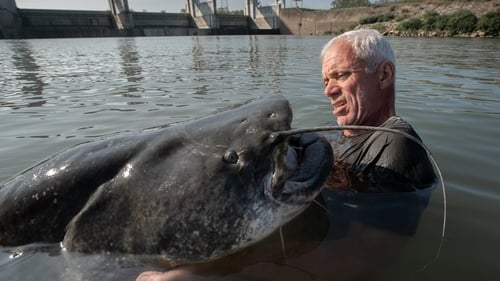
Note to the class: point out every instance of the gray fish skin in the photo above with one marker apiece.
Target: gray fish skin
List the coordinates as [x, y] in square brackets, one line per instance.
[191, 192]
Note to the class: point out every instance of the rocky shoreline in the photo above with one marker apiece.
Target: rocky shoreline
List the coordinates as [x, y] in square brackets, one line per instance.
[419, 13]
[387, 18]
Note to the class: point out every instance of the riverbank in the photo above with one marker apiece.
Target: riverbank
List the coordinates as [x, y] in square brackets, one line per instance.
[389, 18]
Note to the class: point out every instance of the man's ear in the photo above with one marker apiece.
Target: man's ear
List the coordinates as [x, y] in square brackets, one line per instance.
[386, 74]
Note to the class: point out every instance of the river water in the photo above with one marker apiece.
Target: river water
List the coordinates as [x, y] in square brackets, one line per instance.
[60, 92]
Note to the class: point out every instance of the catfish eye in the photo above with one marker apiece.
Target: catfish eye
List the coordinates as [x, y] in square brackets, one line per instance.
[231, 156]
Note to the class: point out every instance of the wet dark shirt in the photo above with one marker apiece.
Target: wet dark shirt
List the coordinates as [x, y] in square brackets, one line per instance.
[375, 161]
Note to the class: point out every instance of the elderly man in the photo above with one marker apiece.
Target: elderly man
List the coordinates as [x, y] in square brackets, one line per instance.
[358, 69]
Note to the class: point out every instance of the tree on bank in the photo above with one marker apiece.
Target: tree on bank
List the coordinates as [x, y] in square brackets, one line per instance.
[490, 23]
[336, 4]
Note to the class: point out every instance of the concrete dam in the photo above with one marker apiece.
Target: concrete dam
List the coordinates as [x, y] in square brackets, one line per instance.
[201, 18]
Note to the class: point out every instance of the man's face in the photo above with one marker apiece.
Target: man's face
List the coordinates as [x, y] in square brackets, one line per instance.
[353, 93]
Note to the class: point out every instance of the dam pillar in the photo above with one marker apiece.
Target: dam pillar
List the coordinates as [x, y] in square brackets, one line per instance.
[204, 14]
[250, 8]
[10, 21]
[263, 17]
[121, 14]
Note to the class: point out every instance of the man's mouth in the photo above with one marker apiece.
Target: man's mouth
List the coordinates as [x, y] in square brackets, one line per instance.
[339, 107]
[338, 104]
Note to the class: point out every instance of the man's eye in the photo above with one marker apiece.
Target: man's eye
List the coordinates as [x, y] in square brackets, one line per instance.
[337, 76]
[341, 76]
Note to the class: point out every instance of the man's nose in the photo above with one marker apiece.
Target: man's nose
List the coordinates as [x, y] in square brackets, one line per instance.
[331, 88]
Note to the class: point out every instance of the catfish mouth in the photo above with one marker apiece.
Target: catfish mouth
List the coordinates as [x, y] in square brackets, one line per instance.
[301, 164]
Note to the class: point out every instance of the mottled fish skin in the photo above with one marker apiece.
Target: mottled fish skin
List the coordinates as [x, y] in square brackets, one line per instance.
[192, 192]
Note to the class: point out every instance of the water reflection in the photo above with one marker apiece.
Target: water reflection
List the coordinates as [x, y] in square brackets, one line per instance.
[266, 62]
[28, 74]
[224, 64]
[131, 68]
[199, 66]
[253, 57]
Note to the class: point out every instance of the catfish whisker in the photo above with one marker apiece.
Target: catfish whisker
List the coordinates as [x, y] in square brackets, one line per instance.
[282, 242]
[322, 206]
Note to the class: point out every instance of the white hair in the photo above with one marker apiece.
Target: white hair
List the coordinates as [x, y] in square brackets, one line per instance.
[367, 44]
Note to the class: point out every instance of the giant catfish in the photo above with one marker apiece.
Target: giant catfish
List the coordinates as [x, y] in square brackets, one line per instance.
[191, 192]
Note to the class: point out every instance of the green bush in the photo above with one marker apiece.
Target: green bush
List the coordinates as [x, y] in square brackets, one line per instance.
[377, 18]
[368, 20]
[429, 21]
[412, 24]
[386, 17]
[490, 23]
[434, 21]
[463, 21]
[442, 22]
